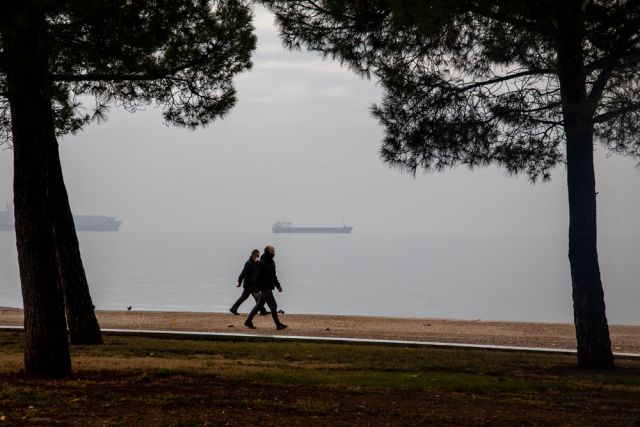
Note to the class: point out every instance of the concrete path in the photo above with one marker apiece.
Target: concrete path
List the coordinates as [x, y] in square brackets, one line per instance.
[219, 336]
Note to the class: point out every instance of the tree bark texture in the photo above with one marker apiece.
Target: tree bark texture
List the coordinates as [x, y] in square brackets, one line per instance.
[46, 343]
[592, 330]
[81, 318]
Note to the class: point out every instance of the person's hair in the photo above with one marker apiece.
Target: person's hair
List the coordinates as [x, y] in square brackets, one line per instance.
[255, 252]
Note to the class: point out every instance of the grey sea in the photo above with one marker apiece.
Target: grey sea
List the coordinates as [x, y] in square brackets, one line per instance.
[518, 278]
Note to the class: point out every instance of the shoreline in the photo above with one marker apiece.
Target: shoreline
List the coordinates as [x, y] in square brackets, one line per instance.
[624, 338]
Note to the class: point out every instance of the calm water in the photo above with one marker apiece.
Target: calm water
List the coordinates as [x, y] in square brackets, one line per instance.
[466, 277]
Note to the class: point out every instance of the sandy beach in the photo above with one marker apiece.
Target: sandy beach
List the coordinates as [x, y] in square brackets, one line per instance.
[625, 339]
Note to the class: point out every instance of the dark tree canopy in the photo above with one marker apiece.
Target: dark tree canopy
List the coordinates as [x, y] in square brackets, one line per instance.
[179, 55]
[5, 123]
[56, 55]
[476, 82]
[526, 85]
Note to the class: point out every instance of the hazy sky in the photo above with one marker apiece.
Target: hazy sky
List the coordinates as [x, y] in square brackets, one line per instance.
[301, 145]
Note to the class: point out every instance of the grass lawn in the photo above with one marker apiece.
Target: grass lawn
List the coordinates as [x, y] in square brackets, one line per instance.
[141, 381]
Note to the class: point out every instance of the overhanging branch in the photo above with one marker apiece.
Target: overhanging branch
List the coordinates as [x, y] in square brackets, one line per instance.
[621, 46]
[486, 12]
[153, 75]
[508, 77]
[107, 77]
[609, 115]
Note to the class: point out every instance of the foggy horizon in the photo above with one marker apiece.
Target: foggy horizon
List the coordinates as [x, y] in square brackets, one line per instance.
[301, 145]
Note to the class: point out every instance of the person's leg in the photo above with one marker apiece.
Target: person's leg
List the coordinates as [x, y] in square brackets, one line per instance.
[273, 306]
[260, 304]
[263, 311]
[245, 294]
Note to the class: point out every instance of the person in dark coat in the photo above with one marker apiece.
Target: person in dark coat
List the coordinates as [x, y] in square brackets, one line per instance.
[266, 282]
[247, 279]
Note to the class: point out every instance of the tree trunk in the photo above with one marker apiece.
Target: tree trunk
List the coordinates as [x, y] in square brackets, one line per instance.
[46, 346]
[592, 330]
[81, 317]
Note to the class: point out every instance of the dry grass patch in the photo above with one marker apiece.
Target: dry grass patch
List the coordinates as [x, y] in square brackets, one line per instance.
[140, 381]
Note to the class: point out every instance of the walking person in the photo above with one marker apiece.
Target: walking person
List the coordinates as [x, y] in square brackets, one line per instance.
[247, 279]
[266, 282]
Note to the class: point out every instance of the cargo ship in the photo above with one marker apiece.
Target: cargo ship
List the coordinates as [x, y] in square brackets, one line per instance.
[96, 223]
[82, 222]
[6, 218]
[286, 227]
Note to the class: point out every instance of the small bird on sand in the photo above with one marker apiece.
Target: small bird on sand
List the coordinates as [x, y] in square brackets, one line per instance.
[129, 308]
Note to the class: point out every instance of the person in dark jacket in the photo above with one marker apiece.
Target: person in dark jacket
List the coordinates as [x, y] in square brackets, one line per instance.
[247, 279]
[266, 282]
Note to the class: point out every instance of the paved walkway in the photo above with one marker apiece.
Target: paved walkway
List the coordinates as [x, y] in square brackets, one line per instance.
[220, 336]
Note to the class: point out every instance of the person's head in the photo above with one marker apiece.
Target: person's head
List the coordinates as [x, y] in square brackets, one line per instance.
[271, 250]
[255, 254]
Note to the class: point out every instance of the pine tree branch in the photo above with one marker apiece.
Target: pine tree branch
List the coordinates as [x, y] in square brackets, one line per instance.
[97, 77]
[160, 74]
[609, 115]
[538, 72]
[506, 19]
[623, 43]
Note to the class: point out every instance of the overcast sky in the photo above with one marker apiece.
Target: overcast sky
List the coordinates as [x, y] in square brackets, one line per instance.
[302, 146]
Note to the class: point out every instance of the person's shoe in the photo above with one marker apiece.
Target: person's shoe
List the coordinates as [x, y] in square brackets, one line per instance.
[280, 326]
[249, 324]
[234, 312]
[265, 313]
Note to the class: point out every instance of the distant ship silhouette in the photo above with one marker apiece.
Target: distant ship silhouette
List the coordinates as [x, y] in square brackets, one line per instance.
[82, 222]
[286, 227]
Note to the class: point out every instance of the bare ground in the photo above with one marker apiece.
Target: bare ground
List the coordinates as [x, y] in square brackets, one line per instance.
[193, 400]
[141, 381]
[625, 339]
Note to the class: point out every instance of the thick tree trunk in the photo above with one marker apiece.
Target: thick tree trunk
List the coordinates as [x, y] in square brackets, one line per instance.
[47, 348]
[592, 330]
[81, 317]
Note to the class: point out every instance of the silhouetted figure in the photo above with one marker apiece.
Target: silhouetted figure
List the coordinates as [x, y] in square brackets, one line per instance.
[247, 279]
[266, 282]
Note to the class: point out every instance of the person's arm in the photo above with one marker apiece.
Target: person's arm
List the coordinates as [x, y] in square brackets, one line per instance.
[242, 275]
[275, 278]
